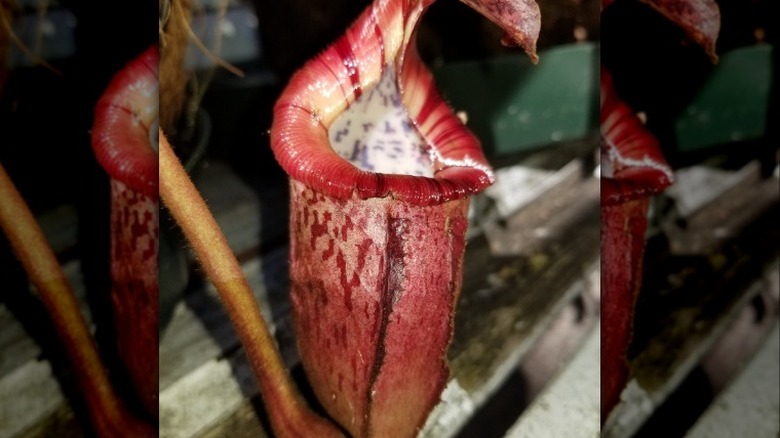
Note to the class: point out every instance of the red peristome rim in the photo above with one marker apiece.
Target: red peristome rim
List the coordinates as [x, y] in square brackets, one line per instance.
[639, 168]
[124, 115]
[299, 137]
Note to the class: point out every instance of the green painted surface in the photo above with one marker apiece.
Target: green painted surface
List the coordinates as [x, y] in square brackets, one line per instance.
[513, 105]
[732, 104]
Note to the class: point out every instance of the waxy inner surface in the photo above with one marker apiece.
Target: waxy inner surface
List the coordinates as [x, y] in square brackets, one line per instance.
[376, 134]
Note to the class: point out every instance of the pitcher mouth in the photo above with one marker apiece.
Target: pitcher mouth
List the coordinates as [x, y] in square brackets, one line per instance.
[375, 133]
[445, 163]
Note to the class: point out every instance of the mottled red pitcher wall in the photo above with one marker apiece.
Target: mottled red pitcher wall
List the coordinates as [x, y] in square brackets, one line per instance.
[134, 291]
[374, 283]
[623, 229]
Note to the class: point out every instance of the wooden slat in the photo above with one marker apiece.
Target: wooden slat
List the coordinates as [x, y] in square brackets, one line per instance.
[200, 329]
[29, 394]
[730, 202]
[43, 405]
[203, 397]
[570, 406]
[750, 406]
[16, 348]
